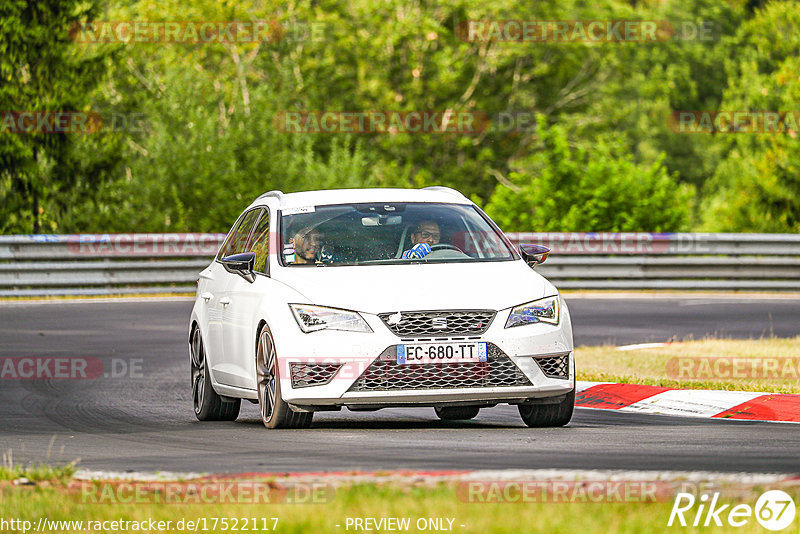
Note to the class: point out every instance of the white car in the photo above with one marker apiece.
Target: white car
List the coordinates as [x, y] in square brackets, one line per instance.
[377, 298]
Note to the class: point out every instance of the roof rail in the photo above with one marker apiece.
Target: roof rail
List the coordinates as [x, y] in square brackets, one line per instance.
[275, 193]
[444, 189]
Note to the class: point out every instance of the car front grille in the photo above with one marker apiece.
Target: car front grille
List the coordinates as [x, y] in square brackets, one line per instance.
[312, 374]
[384, 374]
[438, 323]
[554, 366]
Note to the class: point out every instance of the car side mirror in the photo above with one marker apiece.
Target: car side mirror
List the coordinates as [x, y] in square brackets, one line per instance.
[241, 264]
[534, 254]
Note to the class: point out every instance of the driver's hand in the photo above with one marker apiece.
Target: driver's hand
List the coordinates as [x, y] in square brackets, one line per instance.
[418, 251]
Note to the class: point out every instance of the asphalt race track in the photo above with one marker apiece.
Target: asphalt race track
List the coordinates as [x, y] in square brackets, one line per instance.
[145, 422]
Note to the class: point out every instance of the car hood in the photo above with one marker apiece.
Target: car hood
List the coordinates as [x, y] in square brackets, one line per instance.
[386, 288]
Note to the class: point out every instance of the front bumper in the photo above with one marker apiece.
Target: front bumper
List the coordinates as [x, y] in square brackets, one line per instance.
[354, 353]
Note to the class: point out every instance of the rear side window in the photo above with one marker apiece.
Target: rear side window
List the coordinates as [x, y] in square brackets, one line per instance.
[237, 239]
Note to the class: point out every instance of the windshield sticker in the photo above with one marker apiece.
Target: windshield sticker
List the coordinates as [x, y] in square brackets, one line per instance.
[299, 209]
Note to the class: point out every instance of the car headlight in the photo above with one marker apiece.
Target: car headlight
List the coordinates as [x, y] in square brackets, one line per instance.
[544, 310]
[313, 318]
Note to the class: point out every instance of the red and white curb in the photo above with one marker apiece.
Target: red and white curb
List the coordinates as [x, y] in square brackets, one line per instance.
[738, 405]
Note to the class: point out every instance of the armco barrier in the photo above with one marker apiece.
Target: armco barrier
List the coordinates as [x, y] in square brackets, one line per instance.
[145, 263]
[98, 264]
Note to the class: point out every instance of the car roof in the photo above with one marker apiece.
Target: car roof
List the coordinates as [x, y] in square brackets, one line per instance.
[349, 196]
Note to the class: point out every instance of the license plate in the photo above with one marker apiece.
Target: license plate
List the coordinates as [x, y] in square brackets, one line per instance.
[422, 353]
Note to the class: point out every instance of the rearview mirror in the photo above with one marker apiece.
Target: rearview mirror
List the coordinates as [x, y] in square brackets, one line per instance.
[381, 220]
[534, 254]
[241, 264]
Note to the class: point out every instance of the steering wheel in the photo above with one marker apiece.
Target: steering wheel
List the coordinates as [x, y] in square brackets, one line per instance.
[445, 246]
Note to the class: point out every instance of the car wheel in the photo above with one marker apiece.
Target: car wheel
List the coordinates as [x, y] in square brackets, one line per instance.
[208, 406]
[456, 413]
[548, 415]
[275, 412]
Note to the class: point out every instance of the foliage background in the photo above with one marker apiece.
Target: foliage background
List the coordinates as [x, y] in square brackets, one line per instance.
[198, 141]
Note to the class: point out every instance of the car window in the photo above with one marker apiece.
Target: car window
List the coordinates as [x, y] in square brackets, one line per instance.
[260, 243]
[237, 238]
[386, 233]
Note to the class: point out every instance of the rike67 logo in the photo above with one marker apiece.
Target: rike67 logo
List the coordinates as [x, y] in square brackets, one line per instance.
[774, 510]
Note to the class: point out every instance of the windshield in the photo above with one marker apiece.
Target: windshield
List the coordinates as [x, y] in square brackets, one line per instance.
[388, 233]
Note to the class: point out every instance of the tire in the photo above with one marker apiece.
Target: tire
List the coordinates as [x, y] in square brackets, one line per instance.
[275, 412]
[208, 405]
[456, 413]
[548, 415]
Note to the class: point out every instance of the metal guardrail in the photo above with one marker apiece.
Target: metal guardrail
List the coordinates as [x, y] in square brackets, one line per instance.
[103, 264]
[37, 265]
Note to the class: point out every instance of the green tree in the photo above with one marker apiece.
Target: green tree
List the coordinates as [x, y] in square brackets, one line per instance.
[756, 187]
[208, 144]
[42, 70]
[210, 107]
[644, 83]
[574, 187]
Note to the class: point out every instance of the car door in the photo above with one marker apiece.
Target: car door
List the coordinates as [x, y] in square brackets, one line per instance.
[212, 283]
[218, 299]
[242, 299]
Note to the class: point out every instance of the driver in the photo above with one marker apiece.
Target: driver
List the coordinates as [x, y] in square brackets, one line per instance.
[423, 235]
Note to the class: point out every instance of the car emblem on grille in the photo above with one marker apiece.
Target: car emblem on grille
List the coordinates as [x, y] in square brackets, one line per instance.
[439, 322]
[395, 318]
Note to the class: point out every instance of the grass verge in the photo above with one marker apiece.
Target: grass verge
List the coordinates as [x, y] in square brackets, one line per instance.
[768, 365]
[55, 501]
[37, 473]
